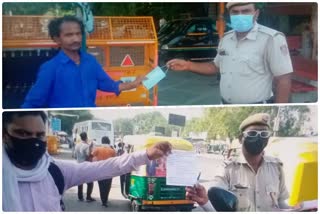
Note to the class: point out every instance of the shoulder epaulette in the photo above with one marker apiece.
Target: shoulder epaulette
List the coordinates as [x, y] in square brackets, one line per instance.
[269, 31]
[228, 33]
[271, 159]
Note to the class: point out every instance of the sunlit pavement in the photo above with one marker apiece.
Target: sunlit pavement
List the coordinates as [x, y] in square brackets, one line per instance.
[187, 88]
[209, 165]
[117, 202]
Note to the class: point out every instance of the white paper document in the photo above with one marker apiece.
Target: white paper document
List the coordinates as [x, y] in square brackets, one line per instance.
[182, 168]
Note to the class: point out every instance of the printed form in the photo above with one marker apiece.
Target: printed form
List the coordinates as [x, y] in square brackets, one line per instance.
[182, 168]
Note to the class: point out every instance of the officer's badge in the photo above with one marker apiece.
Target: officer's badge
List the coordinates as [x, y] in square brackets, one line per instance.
[284, 50]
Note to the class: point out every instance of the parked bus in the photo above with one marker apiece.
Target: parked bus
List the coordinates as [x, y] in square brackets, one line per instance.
[95, 130]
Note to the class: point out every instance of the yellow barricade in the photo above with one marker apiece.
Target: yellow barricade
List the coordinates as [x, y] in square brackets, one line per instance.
[126, 47]
[52, 145]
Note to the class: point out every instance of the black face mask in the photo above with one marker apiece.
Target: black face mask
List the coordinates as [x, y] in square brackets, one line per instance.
[255, 145]
[25, 152]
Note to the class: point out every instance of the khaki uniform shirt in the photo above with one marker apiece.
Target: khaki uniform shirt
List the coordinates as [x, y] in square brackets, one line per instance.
[248, 66]
[261, 191]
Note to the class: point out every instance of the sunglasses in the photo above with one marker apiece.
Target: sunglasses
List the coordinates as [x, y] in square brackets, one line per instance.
[255, 133]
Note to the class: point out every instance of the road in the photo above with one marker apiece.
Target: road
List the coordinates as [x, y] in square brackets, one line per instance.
[117, 203]
[186, 88]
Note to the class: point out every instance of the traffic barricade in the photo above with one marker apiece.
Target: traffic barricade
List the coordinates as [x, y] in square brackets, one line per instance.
[52, 144]
[126, 47]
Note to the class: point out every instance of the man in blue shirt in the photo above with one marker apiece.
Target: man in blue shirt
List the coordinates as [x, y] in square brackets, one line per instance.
[71, 78]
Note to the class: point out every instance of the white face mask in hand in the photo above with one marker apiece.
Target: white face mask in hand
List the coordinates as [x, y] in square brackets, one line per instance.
[154, 77]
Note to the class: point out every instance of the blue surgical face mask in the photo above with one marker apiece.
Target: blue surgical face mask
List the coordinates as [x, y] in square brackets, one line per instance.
[242, 23]
[153, 77]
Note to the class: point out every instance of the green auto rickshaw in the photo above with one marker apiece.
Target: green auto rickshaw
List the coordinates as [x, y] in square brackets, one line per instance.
[146, 186]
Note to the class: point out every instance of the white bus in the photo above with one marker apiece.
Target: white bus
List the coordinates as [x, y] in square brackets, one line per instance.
[95, 129]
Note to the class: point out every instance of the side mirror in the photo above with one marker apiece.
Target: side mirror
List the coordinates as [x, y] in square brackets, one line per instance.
[223, 200]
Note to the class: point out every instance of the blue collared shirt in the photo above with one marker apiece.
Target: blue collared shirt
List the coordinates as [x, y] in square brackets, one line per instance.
[62, 83]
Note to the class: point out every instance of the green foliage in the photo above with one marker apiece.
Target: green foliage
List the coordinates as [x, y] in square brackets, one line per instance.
[39, 8]
[114, 9]
[260, 5]
[146, 122]
[193, 125]
[143, 124]
[157, 10]
[225, 122]
[222, 122]
[123, 126]
[291, 119]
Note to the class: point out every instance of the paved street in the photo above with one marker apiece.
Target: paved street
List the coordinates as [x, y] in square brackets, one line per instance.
[210, 165]
[117, 203]
[186, 88]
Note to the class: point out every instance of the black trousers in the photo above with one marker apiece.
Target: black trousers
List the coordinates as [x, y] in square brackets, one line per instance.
[89, 190]
[122, 183]
[105, 187]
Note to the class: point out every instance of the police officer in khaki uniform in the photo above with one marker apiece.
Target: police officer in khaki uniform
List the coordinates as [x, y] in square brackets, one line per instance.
[257, 180]
[249, 59]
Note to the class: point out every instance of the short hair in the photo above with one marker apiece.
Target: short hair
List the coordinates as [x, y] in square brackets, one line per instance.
[243, 3]
[83, 136]
[105, 140]
[121, 144]
[54, 25]
[7, 117]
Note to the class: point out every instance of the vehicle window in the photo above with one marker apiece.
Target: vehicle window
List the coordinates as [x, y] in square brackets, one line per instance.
[101, 126]
[171, 26]
[198, 28]
[214, 27]
[192, 29]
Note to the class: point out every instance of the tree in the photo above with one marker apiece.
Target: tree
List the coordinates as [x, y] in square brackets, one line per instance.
[114, 9]
[23, 8]
[193, 125]
[292, 119]
[156, 9]
[123, 126]
[147, 121]
[225, 122]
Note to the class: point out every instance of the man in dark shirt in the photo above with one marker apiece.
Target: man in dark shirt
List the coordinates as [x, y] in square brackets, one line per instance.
[71, 78]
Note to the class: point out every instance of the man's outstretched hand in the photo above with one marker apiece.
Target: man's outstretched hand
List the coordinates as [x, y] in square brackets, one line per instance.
[178, 65]
[159, 150]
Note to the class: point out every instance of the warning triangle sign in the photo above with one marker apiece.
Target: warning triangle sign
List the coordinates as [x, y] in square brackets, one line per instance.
[127, 61]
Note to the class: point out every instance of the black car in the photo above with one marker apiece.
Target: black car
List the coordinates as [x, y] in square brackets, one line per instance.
[192, 39]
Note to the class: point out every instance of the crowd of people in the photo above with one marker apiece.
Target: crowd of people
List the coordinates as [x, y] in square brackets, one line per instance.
[88, 151]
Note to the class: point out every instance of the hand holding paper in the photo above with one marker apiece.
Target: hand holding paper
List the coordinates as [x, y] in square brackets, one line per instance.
[197, 193]
[153, 77]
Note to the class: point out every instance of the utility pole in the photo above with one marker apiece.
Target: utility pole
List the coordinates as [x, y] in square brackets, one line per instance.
[220, 21]
[276, 124]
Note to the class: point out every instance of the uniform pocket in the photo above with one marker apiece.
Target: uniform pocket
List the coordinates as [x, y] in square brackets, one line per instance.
[272, 195]
[227, 64]
[251, 64]
[243, 196]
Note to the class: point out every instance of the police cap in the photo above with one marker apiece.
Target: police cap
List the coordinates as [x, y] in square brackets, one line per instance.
[256, 119]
